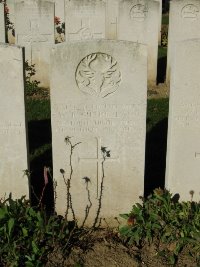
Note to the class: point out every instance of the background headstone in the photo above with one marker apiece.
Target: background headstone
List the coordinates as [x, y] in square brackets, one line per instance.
[98, 97]
[2, 24]
[13, 138]
[85, 19]
[34, 22]
[112, 17]
[183, 150]
[138, 22]
[184, 24]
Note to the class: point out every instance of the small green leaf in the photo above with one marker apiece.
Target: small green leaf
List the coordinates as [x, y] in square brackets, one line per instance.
[11, 223]
[25, 232]
[35, 247]
[172, 259]
[124, 216]
[124, 230]
[2, 213]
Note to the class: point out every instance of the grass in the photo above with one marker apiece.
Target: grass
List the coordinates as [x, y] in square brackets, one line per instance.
[157, 110]
[162, 52]
[156, 144]
[38, 109]
[165, 19]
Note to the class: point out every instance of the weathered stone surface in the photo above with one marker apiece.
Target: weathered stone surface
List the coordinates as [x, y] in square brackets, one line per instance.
[13, 142]
[2, 24]
[183, 153]
[35, 31]
[85, 19]
[184, 24]
[138, 22]
[112, 17]
[98, 98]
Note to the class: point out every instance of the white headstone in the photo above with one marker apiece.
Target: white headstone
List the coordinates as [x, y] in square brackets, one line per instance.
[184, 24]
[183, 151]
[13, 138]
[85, 19]
[138, 22]
[2, 24]
[34, 22]
[98, 97]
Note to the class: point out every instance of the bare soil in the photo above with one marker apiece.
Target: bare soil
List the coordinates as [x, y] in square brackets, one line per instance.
[158, 91]
[104, 248]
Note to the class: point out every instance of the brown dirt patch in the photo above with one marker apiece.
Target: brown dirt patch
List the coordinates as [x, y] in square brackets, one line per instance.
[104, 248]
[158, 91]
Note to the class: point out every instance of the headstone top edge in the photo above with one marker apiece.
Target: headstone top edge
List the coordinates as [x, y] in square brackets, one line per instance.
[11, 45]
[100, 41]
[196, 40]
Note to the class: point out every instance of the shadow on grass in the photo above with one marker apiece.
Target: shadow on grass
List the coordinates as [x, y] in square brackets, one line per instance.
[155, 160]
[161, 69]
[39, 133]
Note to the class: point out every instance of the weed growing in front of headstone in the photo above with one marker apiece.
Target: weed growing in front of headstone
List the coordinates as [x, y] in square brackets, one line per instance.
[67, 182]
[28, 235]
[161, 218]
[106, 154]
[88, 207]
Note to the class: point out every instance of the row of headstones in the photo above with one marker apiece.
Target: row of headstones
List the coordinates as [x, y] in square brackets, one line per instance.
[98, 98]
[136, 20]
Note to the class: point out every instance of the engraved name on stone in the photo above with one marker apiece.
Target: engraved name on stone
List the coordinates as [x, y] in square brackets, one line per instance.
[96, 117]
[85, 10]
[98, 75]
[190, 11]
[188, 115]
[10, 128]
[139, 12]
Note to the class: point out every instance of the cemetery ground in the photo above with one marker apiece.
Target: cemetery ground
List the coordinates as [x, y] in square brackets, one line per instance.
[158, 232]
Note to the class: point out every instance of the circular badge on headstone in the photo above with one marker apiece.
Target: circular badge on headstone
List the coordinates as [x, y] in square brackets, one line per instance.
[189, 12]
[98, 75]
[138, 12]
